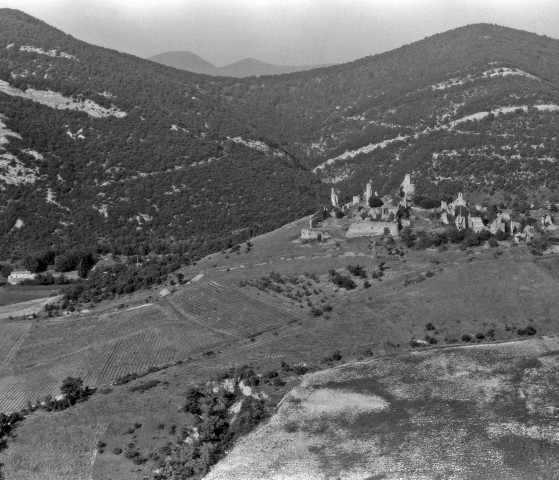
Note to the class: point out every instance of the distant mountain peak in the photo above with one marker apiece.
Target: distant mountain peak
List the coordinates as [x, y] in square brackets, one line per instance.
[185, 60]
[247, 67]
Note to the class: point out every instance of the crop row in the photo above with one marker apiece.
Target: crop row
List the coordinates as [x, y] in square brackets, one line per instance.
[96, 365]
[127, 355]
[18, 388]
[550, 265]
[230, 309]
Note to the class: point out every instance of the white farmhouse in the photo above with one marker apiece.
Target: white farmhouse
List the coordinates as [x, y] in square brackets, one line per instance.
[20, 276]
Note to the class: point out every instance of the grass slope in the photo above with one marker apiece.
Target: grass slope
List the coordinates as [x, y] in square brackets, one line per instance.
[487, 411]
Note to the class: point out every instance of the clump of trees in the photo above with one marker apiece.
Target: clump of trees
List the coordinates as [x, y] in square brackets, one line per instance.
[215, 429]
[342, 281]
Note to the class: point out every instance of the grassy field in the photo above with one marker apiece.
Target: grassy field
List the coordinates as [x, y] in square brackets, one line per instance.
[15, 294]
[484, 295]
[479, 412]
[69, 456]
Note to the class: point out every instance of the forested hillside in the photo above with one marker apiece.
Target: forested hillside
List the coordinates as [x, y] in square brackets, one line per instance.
[150, 159]
[109, 150]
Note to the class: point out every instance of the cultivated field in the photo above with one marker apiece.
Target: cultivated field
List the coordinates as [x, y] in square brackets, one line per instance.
[487, 411]
[102, 347]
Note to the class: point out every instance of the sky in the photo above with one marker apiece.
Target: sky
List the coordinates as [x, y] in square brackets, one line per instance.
[286, 32]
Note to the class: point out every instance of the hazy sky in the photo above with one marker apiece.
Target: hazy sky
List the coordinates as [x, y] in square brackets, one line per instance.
[291, 32]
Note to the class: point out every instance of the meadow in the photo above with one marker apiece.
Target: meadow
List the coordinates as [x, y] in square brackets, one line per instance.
[11, 294]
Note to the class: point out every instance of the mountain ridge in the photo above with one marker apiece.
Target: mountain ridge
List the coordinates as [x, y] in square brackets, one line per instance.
[169, 176]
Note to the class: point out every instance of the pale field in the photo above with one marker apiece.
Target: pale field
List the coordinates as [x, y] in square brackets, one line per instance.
[451, 413]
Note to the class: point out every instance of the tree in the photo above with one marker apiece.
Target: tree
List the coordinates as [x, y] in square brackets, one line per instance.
[6, 269]
[375, 202]
[73, 389]
[34, 264]
[408, 237]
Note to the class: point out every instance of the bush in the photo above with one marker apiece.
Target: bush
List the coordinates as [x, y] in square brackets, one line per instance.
[356, 270]
[529, 330]
[455, 236]
[493, 243]
[429, 326]
[117, 451]
[484, 235]
[466, 338]
[408, 237]
[471, 239]
[300, 369]
[500, 235]
[343, 281]
[143, 387]
[194, 396]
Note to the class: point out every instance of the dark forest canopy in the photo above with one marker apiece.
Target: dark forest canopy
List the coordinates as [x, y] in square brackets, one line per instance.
[199, 163]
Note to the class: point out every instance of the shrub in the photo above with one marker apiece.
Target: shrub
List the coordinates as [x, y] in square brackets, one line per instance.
[500, 235]
[466, 338]
[493, 243]
[336, 356]
[117, 451]
[194, 396]
[480, 336]
[429, 326]
[455, 236]
[471, 239]
[356, 270]
[143, 387]
[529, 330]
[408, 237]
[300, 369]
[484, 235]
[343, 281]
[316, 312]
